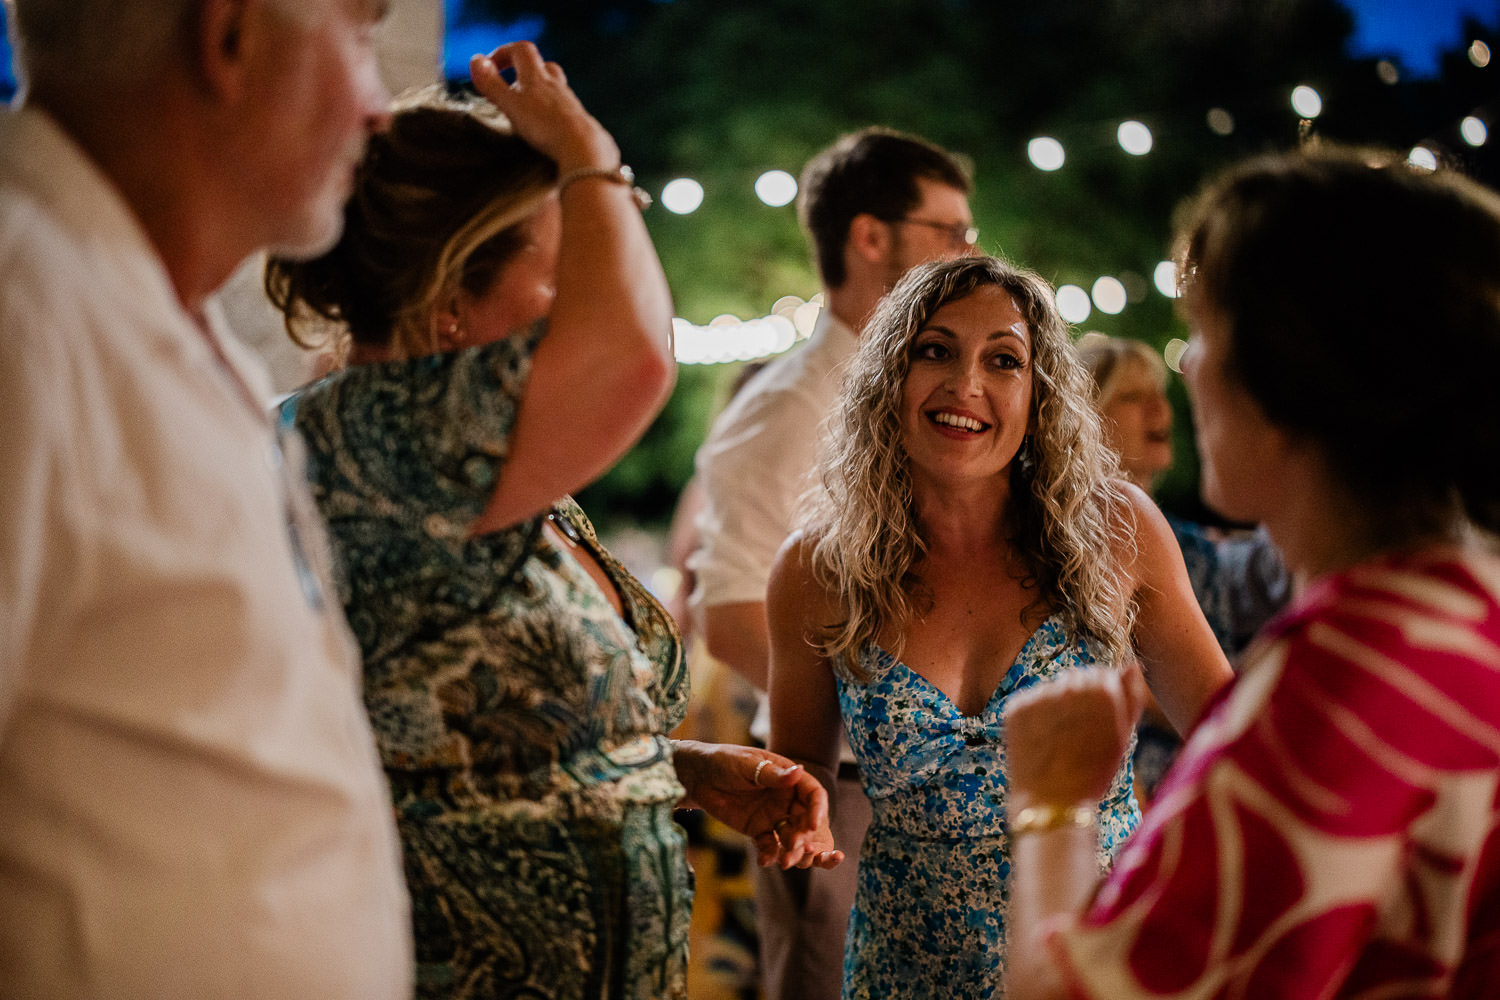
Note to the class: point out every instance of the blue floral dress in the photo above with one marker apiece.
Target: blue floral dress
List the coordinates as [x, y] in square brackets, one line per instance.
[522, 721]
[934, 870]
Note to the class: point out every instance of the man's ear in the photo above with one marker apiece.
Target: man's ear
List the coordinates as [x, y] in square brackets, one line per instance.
[223, 35]
[869, 238]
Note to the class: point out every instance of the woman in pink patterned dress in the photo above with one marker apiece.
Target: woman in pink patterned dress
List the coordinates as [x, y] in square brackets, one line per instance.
[1332, 828]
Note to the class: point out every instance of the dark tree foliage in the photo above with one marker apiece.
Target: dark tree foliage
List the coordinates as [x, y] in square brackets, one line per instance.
[723, 91]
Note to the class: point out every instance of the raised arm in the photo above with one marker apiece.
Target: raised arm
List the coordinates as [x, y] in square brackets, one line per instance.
[605, 366]
[1064, 740]
[805, 716]
[1183, 663]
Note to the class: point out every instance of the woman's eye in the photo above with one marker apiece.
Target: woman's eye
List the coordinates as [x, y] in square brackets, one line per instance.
[930, 351]
[1008, 362]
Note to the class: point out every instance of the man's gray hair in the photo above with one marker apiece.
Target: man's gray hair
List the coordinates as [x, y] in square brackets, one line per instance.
[96, 39]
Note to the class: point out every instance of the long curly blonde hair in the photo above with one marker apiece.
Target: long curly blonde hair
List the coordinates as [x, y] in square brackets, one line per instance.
[862, 523]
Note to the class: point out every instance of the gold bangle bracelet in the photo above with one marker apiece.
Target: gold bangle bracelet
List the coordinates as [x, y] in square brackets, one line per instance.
[622, 175]
[1044, 818]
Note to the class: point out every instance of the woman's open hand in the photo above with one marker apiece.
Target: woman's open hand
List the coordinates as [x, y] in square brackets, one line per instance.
[768, 797]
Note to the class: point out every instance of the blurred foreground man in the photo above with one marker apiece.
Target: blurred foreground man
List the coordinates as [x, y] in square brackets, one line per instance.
[190, 800]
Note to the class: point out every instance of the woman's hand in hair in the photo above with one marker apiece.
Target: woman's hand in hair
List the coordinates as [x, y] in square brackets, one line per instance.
[542, 107]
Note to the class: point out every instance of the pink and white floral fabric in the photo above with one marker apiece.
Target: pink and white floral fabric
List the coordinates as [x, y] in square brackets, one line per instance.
[1330, 830]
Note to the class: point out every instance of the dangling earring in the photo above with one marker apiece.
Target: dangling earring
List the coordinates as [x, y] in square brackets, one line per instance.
[1026, 458]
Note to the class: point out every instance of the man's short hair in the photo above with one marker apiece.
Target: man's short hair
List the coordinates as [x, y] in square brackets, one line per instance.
[96, 39]
[874, 170]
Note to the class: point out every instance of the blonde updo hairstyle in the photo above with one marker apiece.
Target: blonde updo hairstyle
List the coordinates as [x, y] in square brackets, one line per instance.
[438, 205]
[866, 539]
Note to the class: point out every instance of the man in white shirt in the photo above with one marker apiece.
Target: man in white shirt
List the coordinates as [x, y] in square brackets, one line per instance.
[191, 804]
[875, 203]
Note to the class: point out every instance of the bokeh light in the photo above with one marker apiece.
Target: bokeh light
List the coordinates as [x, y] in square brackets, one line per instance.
[1422, 158]
[1073, 304]
[776, 188]
[1109, 295]
[1474, 131]
[805, 317]
[1134, 138]
[666, 582]
[1165, 278]
[1306, 101]
[728, 338]
[1172, 353]
[786, 305]
[682, 196]
[1046, 153]
[1220, 122]
[1479, 54]
[1387, 72]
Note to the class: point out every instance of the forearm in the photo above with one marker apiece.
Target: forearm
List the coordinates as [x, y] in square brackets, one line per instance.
[613, 303]
[1054, 876]
[738, 635]
[690, 759]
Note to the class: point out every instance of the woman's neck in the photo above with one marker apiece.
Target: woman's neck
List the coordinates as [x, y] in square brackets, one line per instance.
[1321, 527]
[963, 520]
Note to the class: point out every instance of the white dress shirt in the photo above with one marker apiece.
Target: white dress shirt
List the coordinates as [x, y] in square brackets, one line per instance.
[190, 800]
[759, 459]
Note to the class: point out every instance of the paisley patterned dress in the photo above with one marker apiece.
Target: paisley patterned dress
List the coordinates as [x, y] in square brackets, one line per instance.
[520, 719]
[934, 871]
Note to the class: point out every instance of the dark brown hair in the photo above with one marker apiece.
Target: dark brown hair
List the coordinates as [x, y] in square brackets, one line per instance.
[875, 171]
[1362, 300]
[437, 205]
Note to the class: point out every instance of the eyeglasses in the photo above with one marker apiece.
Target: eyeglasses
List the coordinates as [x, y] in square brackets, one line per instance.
[960, 235]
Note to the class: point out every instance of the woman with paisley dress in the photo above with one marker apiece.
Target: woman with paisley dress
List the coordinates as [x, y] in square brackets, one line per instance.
[969, 538]
[1332, 827]
[509, 325]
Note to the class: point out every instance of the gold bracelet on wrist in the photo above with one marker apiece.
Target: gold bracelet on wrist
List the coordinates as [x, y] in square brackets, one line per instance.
[615, 175]
[1044, 818]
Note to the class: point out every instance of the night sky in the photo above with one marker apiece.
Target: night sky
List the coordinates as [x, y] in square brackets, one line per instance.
[1414, 30]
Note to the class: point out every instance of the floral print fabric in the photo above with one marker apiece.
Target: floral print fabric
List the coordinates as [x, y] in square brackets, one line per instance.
[934, 872]
[522, 721]
[1330, 829]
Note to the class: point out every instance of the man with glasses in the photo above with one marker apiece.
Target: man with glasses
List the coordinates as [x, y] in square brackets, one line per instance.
[875, 204]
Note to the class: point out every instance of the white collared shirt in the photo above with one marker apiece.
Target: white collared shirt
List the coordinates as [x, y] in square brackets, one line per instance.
[191, 804]
[759, 459]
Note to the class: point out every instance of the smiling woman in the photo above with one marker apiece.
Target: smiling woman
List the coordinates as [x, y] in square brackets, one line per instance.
[966, 405]
[970, 540]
